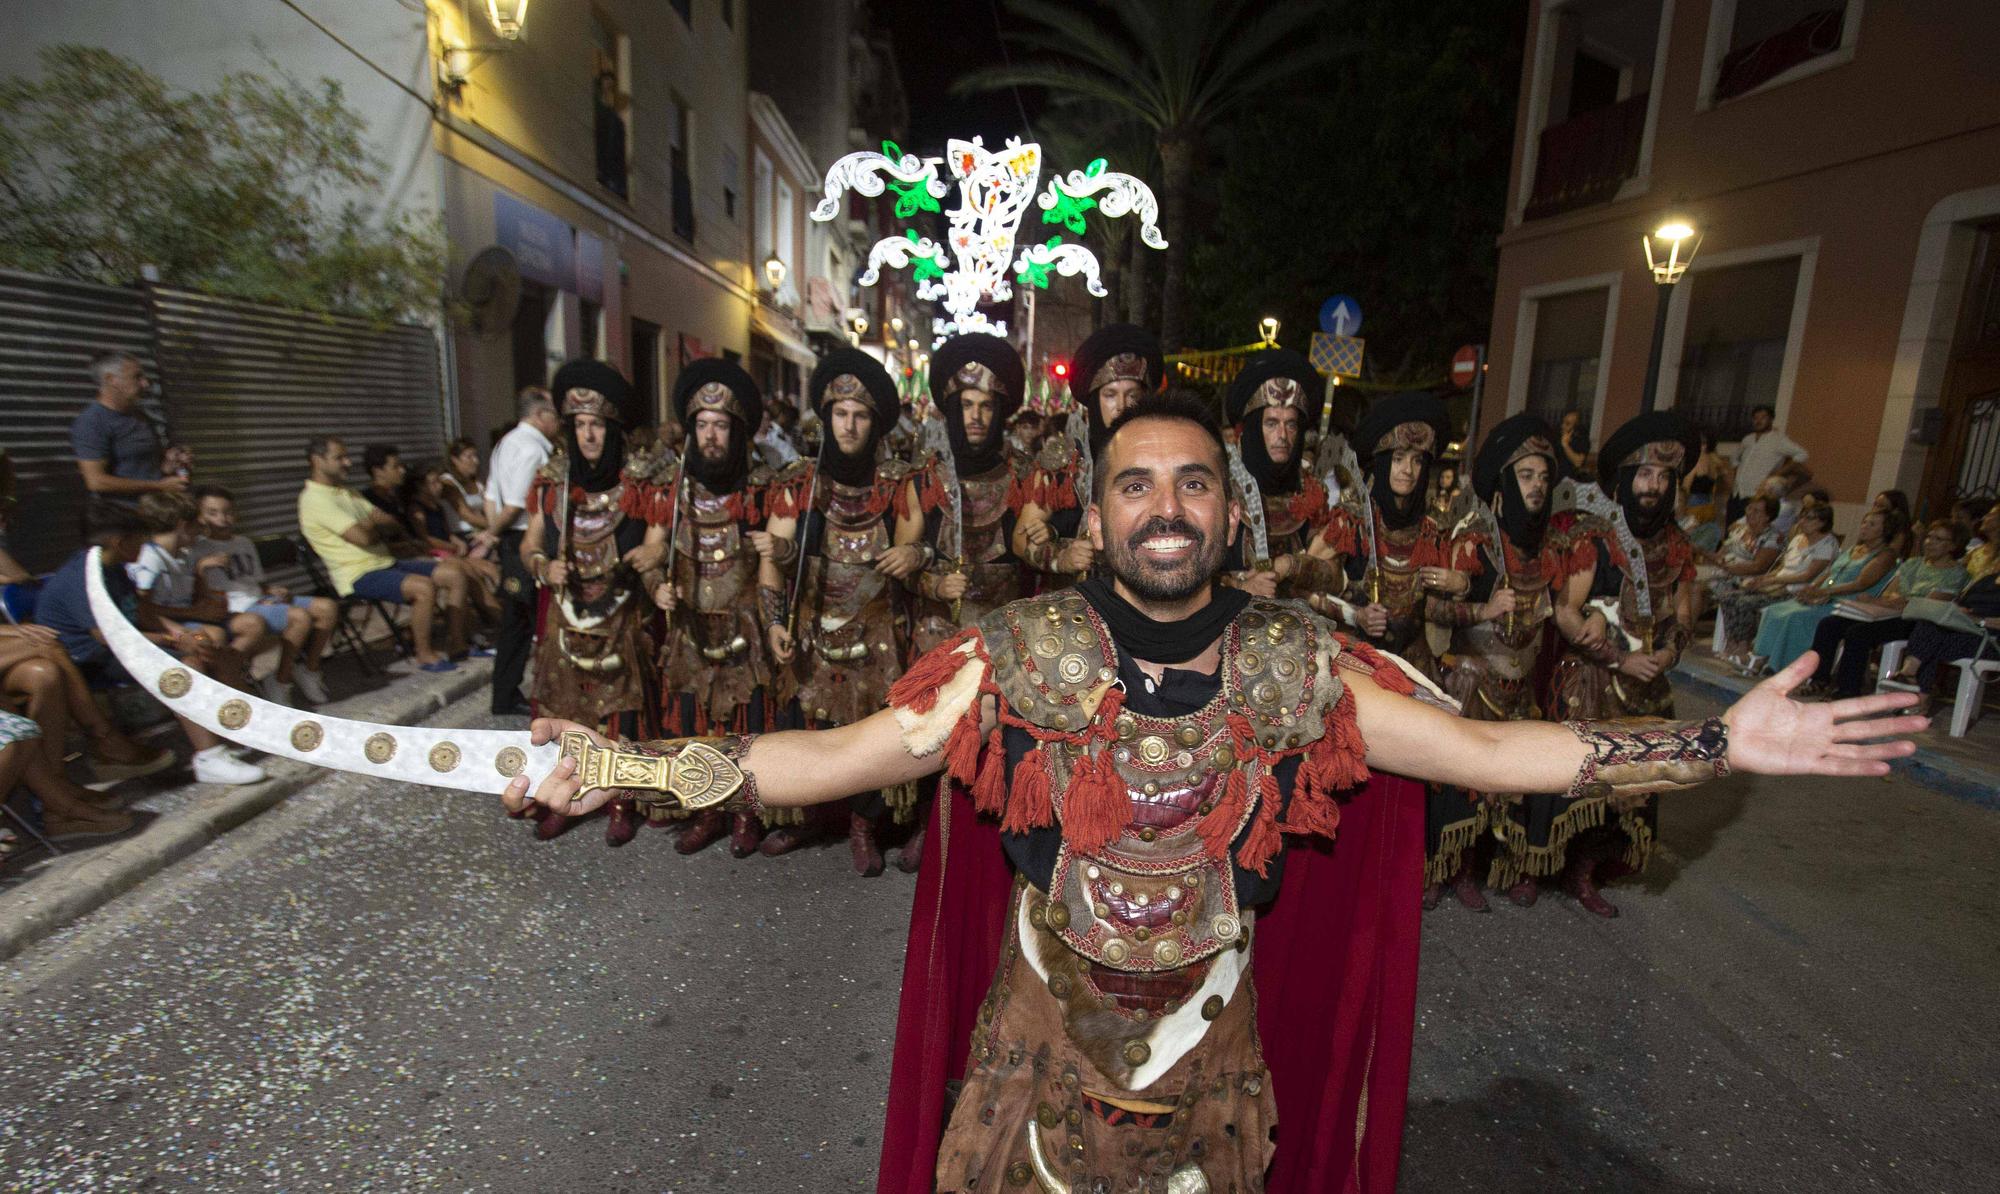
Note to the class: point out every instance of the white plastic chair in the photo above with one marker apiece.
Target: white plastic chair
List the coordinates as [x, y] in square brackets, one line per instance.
[1972, 677]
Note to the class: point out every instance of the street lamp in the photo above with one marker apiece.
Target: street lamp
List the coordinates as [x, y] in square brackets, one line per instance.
[912, 344]
[1268, 328]
[1668, 260]
[896, 324]
[507, 16]
[859, 322]
[774, 272]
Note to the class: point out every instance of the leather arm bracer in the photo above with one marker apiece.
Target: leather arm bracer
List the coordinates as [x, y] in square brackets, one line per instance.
[675, 774]
[1641, 756]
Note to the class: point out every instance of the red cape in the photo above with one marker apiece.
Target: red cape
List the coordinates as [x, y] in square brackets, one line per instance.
[1336, 971]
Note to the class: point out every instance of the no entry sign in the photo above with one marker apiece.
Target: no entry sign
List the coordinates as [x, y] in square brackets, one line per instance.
[1465, 366]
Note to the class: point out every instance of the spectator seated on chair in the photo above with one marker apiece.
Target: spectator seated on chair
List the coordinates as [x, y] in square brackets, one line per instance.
[1750, 548]
[164, 576]
[425, 494]
[304, 624]
[1785, 629]
[1937, 573]
[69, 810]
[1931, 645]
[1807, 553]
[369, 553]
[64, 607]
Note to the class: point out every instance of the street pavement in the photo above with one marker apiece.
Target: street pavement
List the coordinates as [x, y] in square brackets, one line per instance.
[380, 988]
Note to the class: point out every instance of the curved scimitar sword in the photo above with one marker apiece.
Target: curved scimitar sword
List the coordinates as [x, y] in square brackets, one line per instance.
[470, 760]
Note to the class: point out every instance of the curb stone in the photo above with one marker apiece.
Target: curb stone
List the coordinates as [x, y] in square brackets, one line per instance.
[46, 903]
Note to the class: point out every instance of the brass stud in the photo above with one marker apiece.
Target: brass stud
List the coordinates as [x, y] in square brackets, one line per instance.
[1250, 661]
[511, 761]
[1225, 757]
[1167, 952]
[1153, 750]
[1018, 1174]
[1102, 910]
[1074, 1116]
[1150, 788]
[234, 714]
[1038, 918]
[1059, 986]
[444, 757]
[1057, 915]
[1143, 933]
[380, 748]
[1211, 1007]
[1116, 951]
[1126, 726]
[1137, 1053]
[1226, 927]
[1187, 735]
[175, 683]
[1048, 1115]
[307, 735]
[1148, 834]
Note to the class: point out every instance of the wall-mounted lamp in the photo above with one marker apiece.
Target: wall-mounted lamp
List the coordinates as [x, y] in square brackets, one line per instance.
[508, 17]
[774, 272]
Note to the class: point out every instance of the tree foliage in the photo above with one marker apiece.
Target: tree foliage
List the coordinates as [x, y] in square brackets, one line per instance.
[248, 190]
[1385, 180]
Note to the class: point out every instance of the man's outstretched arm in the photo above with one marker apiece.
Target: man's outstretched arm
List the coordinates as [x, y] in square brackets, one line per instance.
[1766, 733]
[790, 768]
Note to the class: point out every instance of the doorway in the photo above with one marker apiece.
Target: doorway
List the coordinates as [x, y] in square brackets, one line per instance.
[1965, 462]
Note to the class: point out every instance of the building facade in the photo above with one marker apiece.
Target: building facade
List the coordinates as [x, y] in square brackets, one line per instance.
[1841, 162]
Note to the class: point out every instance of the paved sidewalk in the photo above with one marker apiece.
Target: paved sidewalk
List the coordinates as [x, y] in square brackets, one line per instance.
[178, 816]
[1967, 768]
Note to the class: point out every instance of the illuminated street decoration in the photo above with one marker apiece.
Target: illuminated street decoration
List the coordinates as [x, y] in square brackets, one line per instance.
[983, 256]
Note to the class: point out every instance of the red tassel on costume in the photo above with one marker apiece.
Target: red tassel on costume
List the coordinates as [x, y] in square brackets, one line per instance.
[1029, 805]
[1465, 554]
[1097, 807]
[917, 688]
[1219, 826]
[1341, 534]
[1386, 675]
[1261, 844]
[989, 791]
[961, 750]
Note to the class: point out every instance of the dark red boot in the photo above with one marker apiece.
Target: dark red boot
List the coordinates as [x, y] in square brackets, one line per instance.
[1525, 893]
[861, 842]
[910, 859]
[551, 826]
[785, 839]
[1580, 881]
[702, 829]
[624, 823]
[745, 831]
[1467, 891]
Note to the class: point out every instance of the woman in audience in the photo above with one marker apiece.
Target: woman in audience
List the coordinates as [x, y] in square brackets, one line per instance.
[1702, 491]
[462, 489]
[1897, 500]
[426, 500]
[39, 681]
[1807, 554]
[1931, 645]
[1785, 630]
[1937, 573]
[1752, 546]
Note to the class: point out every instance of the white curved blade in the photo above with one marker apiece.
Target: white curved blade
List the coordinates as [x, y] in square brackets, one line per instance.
[469, 760]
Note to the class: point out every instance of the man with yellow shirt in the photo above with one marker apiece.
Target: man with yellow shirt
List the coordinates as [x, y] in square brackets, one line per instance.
[357, 541]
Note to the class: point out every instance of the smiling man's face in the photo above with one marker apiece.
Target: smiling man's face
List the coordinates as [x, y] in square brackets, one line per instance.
[1163, 516]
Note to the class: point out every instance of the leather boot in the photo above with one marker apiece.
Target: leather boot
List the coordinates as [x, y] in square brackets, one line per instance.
[785, 839]
[861, 842]
[1525, 893]
[624, 823]
[551, 825]
[910, 859]
[744, 832]
[1431, 893]
[1580, 881]
[702, 828]
[1467, 891]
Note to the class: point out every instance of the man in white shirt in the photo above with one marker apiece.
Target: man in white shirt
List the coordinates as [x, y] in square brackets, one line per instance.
[510, 474]
[1763, 451]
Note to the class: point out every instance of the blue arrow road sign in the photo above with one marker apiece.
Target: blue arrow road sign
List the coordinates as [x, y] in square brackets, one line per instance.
[1340, 316]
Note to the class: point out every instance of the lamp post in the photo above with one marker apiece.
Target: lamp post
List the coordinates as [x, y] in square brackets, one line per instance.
[1667, 261]
[774, 273]
[1267, 327]
[859, 323]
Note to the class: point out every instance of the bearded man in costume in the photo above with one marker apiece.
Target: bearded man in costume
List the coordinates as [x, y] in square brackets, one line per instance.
[1165, 861]
[1112, 369]
[589, 547]
[1391, 551]
[1496, 667]
[1273, 402]
[862, 540]
[715, 669]
[1620, 653]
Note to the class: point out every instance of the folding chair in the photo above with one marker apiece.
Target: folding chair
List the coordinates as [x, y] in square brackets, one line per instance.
[343, 625]
[17, 601]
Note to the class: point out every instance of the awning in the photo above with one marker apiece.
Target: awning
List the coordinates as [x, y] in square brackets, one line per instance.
[784, 333]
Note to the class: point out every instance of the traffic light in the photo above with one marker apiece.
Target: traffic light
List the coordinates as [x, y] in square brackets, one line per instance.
[1059, 369]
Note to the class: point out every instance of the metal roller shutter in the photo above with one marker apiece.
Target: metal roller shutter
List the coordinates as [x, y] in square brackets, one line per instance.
[49, 330]
[246, 385]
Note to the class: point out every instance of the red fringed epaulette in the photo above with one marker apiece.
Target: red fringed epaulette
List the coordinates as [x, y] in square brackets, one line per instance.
[786, 497]
[1052, 489]
[1466, 553]
[1342, 534]
[1680, 558]
[1308, 505]
[1430, 551]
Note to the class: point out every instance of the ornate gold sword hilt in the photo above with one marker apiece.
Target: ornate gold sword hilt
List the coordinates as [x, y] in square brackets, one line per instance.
[693, 776]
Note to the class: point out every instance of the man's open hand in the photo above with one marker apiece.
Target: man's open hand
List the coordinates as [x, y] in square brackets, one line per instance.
[1772, 734]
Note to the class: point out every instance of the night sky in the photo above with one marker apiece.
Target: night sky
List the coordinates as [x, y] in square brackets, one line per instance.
[937, 41]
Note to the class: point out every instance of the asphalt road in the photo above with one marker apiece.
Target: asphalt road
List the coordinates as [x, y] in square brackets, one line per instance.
[374, 988]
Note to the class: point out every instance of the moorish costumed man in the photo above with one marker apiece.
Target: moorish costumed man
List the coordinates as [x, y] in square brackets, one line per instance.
[1177, 832]
[590, 548]
[1618, 657]
[1500, 654]
[863, 539]
[1112, 369]
[715, 667]
[1273, 402]
[1398, 443]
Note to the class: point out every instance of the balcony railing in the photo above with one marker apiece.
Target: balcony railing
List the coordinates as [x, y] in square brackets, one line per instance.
[1583, 160]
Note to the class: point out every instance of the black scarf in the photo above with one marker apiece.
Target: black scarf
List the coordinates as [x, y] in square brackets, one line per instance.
[725, 476]
[1645, 525]
[968, 460]
[595, 476]
[1272, 479]
[1162, 642]
[1397, 512]
[855, 470]
[1524, 528]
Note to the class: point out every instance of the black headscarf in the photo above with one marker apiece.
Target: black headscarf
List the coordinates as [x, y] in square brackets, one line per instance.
[1399, 512]
[745, 409]
[1264, 366]
[999, 357]
[880, 390]
[1493, 472]
[593, 476]
[1111, 340]
[1639, 441]
[1154, 641]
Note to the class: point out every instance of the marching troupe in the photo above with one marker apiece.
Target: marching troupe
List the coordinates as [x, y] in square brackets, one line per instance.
[705, 594]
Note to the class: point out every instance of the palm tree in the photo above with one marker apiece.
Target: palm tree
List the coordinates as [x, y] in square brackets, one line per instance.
[1176, 68]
